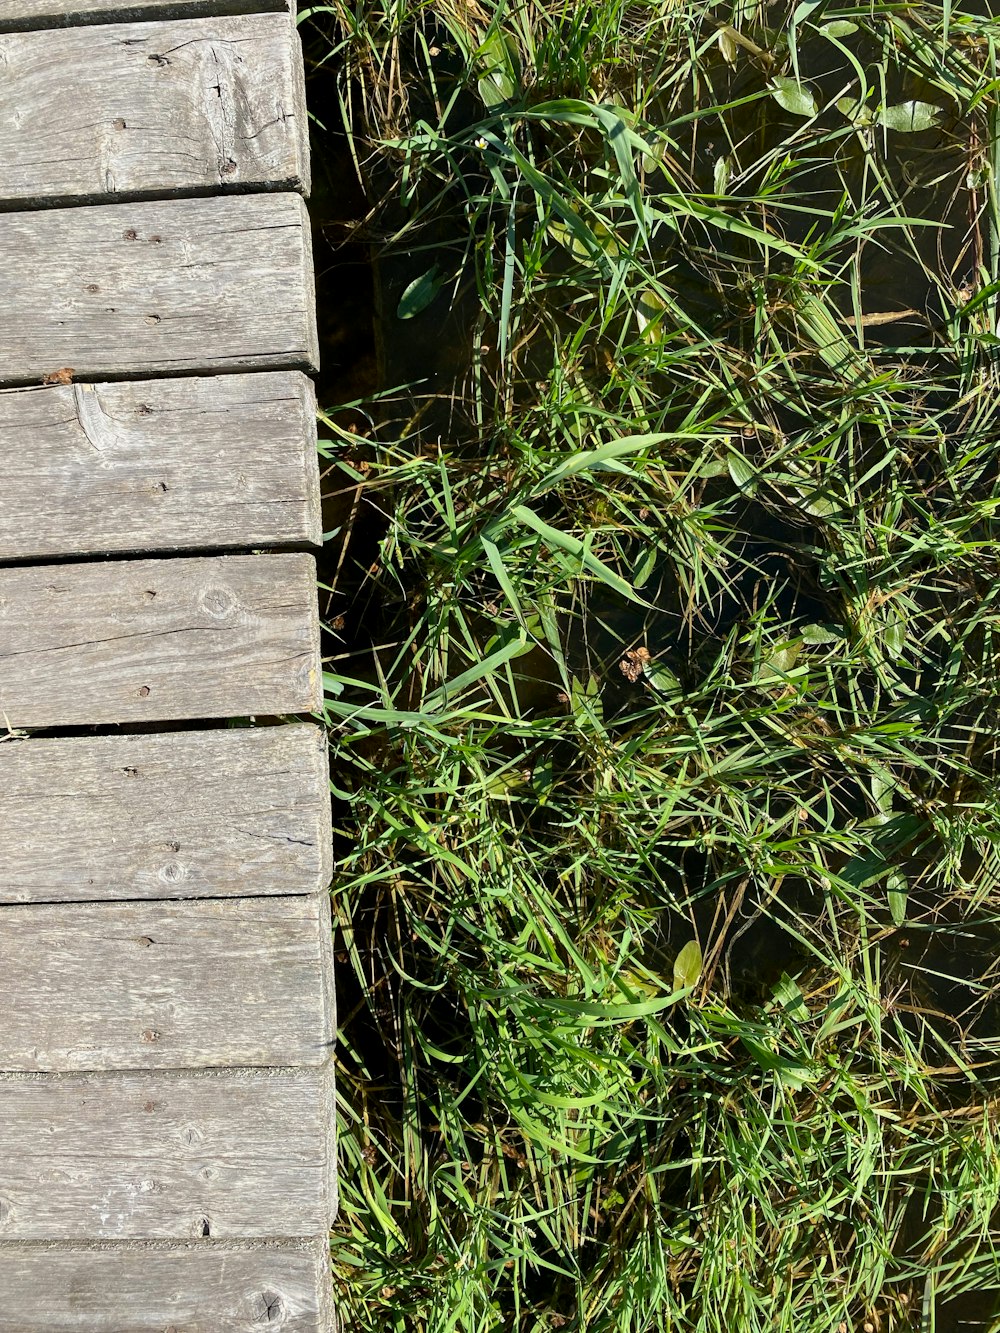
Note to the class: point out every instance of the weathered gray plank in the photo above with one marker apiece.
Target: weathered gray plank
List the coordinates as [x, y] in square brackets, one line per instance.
[204, 1287]
[154, 108]
[19, 14]
[154, 640]
[193, 985]
[179, 815]
[159, 465]
[157, 288]
[234, 1154]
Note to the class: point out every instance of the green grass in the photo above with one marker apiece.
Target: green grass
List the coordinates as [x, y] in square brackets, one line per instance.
[666, 781]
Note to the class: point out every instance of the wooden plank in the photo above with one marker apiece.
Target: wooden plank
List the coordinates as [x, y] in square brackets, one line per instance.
[157, 288]
[179, 815]
[103, 986]
[204, 1287]
[158, 640]
[21, 14]
[233, 1154]
[159, 465]
[155, 108]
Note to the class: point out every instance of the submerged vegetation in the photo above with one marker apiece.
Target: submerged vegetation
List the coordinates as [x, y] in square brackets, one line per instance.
[664, 667]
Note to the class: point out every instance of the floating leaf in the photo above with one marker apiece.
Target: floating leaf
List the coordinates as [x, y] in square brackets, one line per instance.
[897, 897]
[791, 96]
[788, 995]
[895, 636]
[856, 111]
[645, 567]
[822, 634]
[576, 238]
[910, 117]
[714, 467]
[820, 505]
[838, 28]
[420, 293]
[498, 83]
[649, 315]
[744, 475]
[687, 966]
[883, 786]
[782, 659]
[661, 678]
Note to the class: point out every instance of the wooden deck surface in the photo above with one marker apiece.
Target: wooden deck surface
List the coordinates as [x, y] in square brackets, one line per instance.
[166, 1003]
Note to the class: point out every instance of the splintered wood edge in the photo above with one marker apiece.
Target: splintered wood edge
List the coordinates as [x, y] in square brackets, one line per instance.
[309, 287]
[63, 13]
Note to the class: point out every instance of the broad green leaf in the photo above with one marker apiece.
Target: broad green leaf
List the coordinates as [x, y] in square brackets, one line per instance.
[861, 115]
[743, 473]
[661, 678]
[838, 28]
[883, 786]
[821, 634]
[910, 117]
[782, 659]
[649, 315]
[895, 636]
[793, 97]
[498, 83]
[420, 293]
[645, 567]
[788, 995]
[687, 966]
[714, 467]
[820, 505]
[897, 893]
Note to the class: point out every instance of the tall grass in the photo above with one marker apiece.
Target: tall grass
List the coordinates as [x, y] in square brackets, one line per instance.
[664, 716]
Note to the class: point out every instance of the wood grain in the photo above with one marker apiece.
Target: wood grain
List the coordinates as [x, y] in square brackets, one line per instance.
[153, 108]
[20, 14]
[235, 1154]
[159, 465]
[179, 815]
[156, 640]
[103, 986]
[203, 1287]
[157, 288]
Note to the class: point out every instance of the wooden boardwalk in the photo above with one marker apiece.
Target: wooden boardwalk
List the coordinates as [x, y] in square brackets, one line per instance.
[166, 1010]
